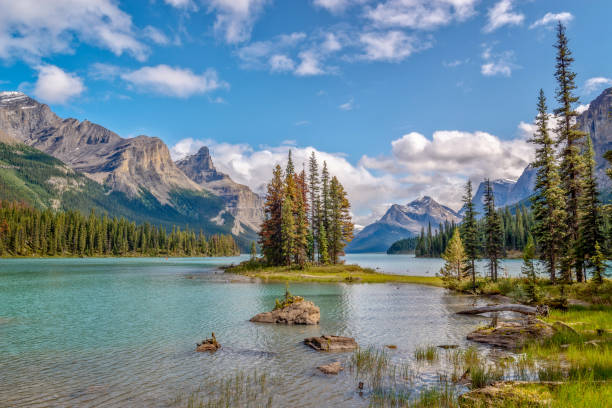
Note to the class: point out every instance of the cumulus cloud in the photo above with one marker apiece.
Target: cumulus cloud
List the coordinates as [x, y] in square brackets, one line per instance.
[54, 85]
[310, 64]
[235, 18]
[420, 14]
[497, 63]
[334, 6]
[501, 14]
[32, 29]
[550, 19]
[173, 81]
[393, 46]
[597, 83]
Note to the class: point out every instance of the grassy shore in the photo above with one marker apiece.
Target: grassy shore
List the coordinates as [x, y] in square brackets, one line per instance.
[326, 274]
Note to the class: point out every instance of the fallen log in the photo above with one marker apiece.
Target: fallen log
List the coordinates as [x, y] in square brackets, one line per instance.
[528, 310]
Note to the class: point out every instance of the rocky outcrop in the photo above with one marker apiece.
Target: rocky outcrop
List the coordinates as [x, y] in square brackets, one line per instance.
[512, 335]
[241, 202]
[331, 343]
[401, 221]
[597, 121]
[510, 393]
[302, 312]
[332, 368]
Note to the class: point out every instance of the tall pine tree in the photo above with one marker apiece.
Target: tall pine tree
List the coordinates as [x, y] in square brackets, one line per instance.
[570, 138]
[548, 201]
[494, 233]
[469, 232]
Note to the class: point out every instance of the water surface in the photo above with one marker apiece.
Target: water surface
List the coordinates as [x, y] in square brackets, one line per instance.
[122, 332]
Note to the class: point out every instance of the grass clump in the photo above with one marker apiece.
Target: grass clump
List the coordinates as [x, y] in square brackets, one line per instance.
[288, 300]
[428, 353]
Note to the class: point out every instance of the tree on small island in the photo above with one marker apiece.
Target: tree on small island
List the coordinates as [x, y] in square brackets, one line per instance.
[307, 218]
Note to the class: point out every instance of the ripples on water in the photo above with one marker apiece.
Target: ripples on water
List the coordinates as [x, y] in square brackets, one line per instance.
[122, 332]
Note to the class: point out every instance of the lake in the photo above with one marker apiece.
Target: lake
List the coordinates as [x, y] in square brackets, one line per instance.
[122, 332]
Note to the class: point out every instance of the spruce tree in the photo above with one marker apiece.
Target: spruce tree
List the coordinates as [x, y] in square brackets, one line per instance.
[340, 230]
[270, 233]
[455, 258]
[301, 220]
[314, 190]
[591, 217]
[494, 233]
[548, 204]
[529, 271]
[325, 200]
[570, 138]
[599, 264]
[287, 231]
[323, 254]
[469, 232]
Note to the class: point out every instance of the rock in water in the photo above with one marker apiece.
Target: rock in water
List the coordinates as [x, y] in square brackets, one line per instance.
[303, 312]
[208, 345]
[331, 343]
[332, 368]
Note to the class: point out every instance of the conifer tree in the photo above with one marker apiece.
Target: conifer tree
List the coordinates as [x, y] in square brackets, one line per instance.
[340, 230]
[494, 233]
[548, 202]
[323, 253]
[470, 233]
[270, 233]
[287, 231]
[325, 199]
[314, 190]
[599, 264]
[455, 258]
[591, 218]
[301, 220]
[570, 138]
[253, 250]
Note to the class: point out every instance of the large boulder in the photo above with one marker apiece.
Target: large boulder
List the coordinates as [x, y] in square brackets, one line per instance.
[331, 343]
[302, 312]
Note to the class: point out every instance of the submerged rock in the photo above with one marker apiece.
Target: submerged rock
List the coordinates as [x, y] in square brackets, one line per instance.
[208, 345]
[331, 343]
[511, 335]
[302, 312]
[332, 368]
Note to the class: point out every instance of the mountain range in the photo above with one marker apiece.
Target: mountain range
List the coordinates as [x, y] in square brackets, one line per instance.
[406, 221]
[139, 173]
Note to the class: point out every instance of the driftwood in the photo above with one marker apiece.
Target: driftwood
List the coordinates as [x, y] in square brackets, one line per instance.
[528, 310]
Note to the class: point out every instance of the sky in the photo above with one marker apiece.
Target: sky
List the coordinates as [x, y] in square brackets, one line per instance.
[401, 98]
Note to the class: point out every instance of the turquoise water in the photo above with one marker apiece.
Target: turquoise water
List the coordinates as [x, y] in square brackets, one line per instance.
[122, 332]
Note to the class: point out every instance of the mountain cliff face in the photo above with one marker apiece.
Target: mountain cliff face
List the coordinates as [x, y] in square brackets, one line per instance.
[126, 165]
[597, 121]
[242, 203]
[140, 168]
[506, 192]
[401, 221]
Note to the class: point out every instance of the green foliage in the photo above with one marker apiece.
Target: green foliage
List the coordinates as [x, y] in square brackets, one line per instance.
[493, 229]
[469, 232]
[26, 231]
[288, 300]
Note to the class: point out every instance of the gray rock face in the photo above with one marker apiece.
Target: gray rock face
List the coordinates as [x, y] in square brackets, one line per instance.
[597, 121]
[302, 312]
[401, 221]
[241, 202]
[125, 165]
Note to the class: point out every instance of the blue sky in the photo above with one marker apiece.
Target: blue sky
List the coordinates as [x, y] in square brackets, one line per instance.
[386, 90]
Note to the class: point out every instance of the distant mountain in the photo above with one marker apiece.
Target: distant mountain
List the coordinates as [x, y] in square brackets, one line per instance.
[506, 192]
[597, 121]
[244, 205]
[401, 221]
[139, 169]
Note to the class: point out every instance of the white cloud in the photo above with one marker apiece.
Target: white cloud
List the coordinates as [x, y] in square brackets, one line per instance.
[334, 6]
[281, 63]
[179, 3]
[497, 63]
[420, 14]
[235, 18]
[455, 63]
[597, 83]
[302, 123]
[173, 81]
[348, 105]
[583, 108]
[253, 167]
[501, 14]
[32, 29]
[393, 46]
[156, 35]
[258, 55]
[552, 18]
[56, 86]
[310, 64]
